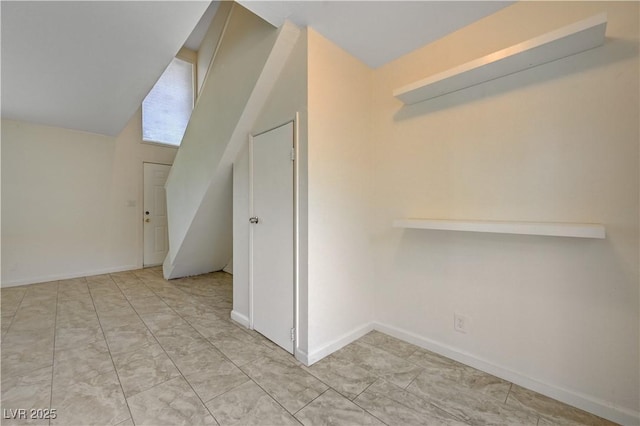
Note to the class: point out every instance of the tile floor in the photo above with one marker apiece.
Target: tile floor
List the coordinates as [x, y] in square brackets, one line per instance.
[131, 348]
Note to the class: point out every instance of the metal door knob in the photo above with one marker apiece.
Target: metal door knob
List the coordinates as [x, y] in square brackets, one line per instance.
[147, 220]
[254, 219]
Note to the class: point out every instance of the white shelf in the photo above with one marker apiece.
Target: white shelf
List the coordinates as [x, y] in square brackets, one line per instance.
[548, 47]
[578, 230]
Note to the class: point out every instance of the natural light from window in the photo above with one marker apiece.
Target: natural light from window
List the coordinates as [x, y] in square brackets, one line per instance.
[167, 107]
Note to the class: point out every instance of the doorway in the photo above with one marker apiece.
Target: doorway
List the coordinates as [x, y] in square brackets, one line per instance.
[272, 235]
[154, 214]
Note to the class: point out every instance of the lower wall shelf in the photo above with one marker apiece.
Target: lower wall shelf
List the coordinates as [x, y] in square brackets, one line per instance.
[577, 230]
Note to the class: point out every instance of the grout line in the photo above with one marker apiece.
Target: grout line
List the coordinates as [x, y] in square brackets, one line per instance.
[233, 388]
[508, 393]
[239, 367]
[367, 411]
[53, 355]
[307, 404]
[276, 401]
[164, 350]
[370, 413]
[104, 336]
[13, 317]
[413, 380]
[365, 389]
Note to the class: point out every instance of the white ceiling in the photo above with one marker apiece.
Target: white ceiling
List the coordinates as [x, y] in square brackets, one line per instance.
[377, 32]
[88, 65]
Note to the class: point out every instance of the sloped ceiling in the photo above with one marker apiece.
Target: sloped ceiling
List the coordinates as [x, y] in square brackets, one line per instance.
[376, 31]
[87, 65]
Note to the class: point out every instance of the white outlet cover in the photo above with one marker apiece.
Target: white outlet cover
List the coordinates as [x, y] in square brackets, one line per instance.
[461, 323]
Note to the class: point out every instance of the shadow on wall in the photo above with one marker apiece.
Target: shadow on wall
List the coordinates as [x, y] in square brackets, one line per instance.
[614, 50]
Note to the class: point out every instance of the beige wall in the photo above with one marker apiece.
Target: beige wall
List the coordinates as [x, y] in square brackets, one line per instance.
[340, 172]
[556, 143]
[72, 201]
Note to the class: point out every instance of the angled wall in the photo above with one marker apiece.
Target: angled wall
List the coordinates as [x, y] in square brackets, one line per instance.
[245, 66]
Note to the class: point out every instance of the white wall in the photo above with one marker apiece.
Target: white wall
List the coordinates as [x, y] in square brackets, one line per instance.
[340, 172]
[288, 97]
[72, 201]
[211, 39]
[557, 143]
[247, 63]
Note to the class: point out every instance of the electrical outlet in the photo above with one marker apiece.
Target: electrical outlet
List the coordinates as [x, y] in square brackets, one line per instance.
[460, 323]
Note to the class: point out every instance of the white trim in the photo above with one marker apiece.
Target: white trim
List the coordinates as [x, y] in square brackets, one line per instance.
[160, 144]
[58, 277]
[141, 212]
[296, 216]
[250, 232]
[241, 319]
[301, 356]
[585, 402]
[338, 343]
[296, 234]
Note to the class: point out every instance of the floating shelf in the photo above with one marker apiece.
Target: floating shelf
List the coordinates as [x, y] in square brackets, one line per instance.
[548, 47]
[578, 230]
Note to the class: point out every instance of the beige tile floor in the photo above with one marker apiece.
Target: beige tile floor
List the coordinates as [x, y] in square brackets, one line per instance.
[132, 348]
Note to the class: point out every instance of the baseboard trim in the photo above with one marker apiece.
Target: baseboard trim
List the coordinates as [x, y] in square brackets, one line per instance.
[58, 277]
[593, 405]
[302, 356]
[338, 343]
[241, 319]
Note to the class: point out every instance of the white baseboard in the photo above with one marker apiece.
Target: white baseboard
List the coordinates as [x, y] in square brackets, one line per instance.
[585, 402]
[67, 276]
[339, 343]
[240, 318]
[229, 267]
[302, 356]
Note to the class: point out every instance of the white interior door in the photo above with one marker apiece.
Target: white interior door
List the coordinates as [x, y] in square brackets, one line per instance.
[156, 238]
[273, 235]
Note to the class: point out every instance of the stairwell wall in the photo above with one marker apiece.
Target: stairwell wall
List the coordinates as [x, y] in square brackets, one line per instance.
[199, 185]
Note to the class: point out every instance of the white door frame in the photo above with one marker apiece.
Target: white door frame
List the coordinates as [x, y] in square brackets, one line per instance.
[295, 226]
[141, 210]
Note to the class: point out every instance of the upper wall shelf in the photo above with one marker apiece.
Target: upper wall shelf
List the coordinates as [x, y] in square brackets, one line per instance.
[548, 47]
[578, 230]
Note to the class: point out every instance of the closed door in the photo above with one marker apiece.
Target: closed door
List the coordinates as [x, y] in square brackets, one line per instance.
[156, 238]
[273, 236]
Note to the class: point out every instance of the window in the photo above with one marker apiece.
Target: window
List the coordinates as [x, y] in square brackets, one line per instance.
[167, 107]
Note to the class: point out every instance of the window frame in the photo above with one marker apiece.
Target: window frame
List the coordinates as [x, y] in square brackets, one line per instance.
[186, 55]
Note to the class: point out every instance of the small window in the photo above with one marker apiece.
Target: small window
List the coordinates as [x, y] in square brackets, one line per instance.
[167, 107]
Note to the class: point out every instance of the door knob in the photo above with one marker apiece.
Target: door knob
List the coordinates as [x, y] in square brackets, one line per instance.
[254, 219]
[147, 220]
